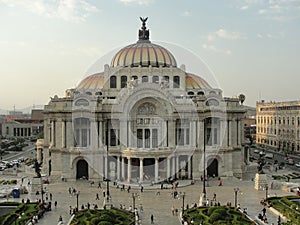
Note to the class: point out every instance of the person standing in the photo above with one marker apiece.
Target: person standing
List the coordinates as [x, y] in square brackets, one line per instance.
[152, 219]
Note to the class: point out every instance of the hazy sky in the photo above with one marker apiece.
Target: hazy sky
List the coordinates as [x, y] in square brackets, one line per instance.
[252, 46]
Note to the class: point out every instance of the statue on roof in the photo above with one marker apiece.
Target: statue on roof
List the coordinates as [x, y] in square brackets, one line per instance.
[143, 33]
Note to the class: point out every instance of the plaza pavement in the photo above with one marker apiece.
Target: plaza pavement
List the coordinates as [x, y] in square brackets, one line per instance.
[158, 205]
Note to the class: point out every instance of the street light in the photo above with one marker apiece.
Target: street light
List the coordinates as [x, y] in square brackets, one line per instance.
[77, 195]
[183, 195]
[202, 201]
[133, 201]
[266, 188]
[236, 190]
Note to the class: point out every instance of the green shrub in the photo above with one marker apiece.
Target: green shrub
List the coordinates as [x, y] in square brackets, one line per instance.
[215, 217]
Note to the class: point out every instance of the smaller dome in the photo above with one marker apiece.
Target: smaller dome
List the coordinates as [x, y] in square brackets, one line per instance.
[193, 81]
[92, 82]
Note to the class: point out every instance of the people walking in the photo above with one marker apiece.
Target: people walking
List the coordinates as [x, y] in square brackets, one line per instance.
[152, 219]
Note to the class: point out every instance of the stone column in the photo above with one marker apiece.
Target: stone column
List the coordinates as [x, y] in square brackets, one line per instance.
[93, 129]
[171, 132]
[63, 134]
[118, 167]
[156, 170]
[193, 133]
[123, 132]
[229, 132]
[168, 167]
[177, 166]
[70, 134]
[163, 135]
[141, 170]
[105, 167]
[201, 134]
[173, 167]
[123, 168]
[223, 133]
[130, 134]
[189, 162]
[53, 133]
[129, 170]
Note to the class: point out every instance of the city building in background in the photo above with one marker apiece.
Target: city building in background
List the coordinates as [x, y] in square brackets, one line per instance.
[250, 125]
[278, 125]
[19, 125]
[143, 119]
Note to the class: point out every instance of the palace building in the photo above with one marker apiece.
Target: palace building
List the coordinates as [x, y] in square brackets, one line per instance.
[278, 125]
[142, 119]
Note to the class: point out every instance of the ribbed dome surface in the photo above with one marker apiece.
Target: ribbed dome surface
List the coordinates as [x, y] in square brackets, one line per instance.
[195, 82]
[143, 53]
[96, 81]
[92, 82]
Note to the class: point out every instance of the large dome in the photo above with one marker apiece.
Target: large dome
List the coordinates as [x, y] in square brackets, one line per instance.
[144, 53]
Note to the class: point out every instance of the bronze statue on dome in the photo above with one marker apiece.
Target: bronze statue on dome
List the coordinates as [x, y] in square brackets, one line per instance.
[144, 33]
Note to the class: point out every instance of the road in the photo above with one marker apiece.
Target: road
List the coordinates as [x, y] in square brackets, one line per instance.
[28, 151]
[280, 157]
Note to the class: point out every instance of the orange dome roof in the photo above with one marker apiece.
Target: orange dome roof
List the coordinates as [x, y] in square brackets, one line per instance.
[96, 81]
[92, 82]
[193, 81]
[144, 53]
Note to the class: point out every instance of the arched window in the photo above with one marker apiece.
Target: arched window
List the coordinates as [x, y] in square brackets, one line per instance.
[166, 81]
[113, 82]
[176, 82]
[155, 79]
[200, 93]
[123, 81]
[145, 79]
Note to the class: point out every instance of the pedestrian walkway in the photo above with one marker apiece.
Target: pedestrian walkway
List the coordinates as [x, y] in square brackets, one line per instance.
[155, 201]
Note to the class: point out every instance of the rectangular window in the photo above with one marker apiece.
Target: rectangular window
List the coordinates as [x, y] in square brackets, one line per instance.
[216, 140]
[166, 81]
[113, 82]
[176, 82]
[113, 138]
[123, 81]
[180, 137]
[187, 136]
[139, 138]
[84, 138]
[147, 138]
[154, 138]
[208, 136]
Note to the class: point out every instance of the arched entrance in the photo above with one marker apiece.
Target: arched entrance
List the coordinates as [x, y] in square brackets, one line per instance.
[212, 167]
[82, 169]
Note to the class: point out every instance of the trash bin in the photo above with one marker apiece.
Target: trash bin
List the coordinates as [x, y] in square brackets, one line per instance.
[16, 193]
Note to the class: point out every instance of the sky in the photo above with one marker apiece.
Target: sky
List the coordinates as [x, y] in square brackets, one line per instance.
[250, 46]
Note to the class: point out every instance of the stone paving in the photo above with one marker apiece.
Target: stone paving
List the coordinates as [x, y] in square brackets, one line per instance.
[159, 205]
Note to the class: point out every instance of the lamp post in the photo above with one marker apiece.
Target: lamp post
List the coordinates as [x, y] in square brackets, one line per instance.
[77, 195]
[183, 195]
[202, 201]
[266, 188]
[133, 201]
[106, 178]
[236, 190]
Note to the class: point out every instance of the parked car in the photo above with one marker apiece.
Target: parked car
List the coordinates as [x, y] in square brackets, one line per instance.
[290, 162]
[256, 151]
[269, 155]
[297, 164]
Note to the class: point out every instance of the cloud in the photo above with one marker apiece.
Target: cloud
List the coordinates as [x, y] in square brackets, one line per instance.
[215, 49]
[139, 2]
[186, 13]
[224, 34]
[69, 10]
[245, 7]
